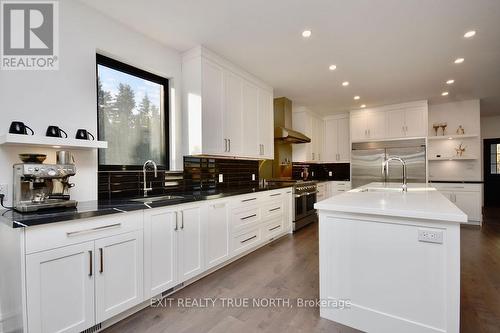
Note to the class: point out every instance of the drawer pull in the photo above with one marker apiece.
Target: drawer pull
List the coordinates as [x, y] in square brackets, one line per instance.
[275, 195]
[248, 239]
[101, 257]
[251, 199]
[274, 228]
[91, 264]
[248, 217]
[80, 232]
[274, 209]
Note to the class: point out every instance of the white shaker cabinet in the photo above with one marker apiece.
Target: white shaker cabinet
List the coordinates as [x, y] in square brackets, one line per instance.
[60, 289]
[119, 274]
[313, 127]
[467, 197]
[407, 123]
[160, 250]
[190, 243]
[216, 234]
[336, 146]
[368, 125]
[226, 111]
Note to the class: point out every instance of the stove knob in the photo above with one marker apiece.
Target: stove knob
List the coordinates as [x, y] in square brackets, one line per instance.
[51, 172]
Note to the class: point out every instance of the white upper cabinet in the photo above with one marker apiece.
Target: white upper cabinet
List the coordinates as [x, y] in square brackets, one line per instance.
[390, 122]
[226, 111]
[313, 127]
[336, 146]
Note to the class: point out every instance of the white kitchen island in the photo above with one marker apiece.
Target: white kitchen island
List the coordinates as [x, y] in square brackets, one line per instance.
[394, 256]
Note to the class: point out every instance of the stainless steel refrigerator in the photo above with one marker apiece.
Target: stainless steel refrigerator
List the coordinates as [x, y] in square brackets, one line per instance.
[367, 161]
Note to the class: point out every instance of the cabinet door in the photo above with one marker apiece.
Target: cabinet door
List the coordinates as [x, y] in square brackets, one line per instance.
[212, 108]
[376, 124]
[344, 144]
[331, 143]
[319, 133]
[60, 289]
[216, 234]
[160, 251]
[119, 274]
[233, 120]
[302, 122]
[266, 124]
[396, 123]
[359, 131]
[469, 203]
[416, 122]
[251, 140]
[190, 243]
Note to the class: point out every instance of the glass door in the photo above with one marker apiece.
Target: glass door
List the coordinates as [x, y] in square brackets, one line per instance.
[492, 172]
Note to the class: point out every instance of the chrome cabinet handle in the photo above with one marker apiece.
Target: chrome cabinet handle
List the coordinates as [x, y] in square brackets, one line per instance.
[248, 239]
[274, 228]
[86, 231]
[275, 194]
[101, 256]
[274, 209]
[91, 263]
[176, 221]
[229, 147]
[263, 150]
[248, 217]
[251, 199]
[182, 220]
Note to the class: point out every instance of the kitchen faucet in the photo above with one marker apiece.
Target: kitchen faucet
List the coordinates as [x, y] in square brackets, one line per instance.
[147, 189]
[385, 167]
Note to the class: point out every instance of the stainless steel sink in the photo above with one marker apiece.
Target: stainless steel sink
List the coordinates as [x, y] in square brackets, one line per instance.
[159, 198]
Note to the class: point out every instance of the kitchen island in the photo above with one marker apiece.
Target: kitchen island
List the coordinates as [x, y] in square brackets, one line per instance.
[394, 256]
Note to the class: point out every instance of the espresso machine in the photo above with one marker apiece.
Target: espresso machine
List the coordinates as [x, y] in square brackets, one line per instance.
[39, 186]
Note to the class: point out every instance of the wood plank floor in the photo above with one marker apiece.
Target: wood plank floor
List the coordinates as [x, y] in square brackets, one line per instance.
[288, 268]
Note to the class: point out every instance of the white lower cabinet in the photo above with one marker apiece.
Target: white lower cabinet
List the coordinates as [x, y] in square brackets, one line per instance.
[338, 187]
[217, 234]
[60, 289]
[190, 243]
[119, 274]
[467, 197]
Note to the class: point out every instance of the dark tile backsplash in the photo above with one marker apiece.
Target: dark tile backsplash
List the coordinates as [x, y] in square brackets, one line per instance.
[340, 171]
[199, 173]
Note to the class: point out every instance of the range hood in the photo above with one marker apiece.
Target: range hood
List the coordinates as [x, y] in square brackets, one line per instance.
[290, 136]
[283, 123]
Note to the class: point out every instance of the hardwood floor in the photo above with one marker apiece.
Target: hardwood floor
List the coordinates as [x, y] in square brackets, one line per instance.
[288, 268]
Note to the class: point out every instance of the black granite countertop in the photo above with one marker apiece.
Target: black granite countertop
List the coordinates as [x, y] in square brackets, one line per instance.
[88, 209]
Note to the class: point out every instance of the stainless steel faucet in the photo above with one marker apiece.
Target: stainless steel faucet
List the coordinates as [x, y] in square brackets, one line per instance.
[385, 167]
[147, 189]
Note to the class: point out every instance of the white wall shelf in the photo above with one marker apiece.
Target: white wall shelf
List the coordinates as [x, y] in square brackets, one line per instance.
[44, 141]
[453, 137]
[453, 158]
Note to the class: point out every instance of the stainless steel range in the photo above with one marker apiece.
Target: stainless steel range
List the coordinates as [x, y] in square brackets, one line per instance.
[304, 194]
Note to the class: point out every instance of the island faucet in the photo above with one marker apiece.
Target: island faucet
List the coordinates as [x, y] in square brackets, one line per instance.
[385, 167]
[147, 189]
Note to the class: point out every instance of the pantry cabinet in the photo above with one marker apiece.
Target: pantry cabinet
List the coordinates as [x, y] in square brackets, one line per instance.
[336, 143]
[227, 111]
[390, 122]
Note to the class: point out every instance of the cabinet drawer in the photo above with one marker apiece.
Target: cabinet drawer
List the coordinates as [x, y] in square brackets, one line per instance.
[246, 201]
[272, 228]
[246, 240]
[272, 209]
[244, 218]
[50, 236]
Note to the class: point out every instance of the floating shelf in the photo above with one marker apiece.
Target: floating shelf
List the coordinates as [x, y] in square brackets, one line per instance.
[453, 137]
[44, 141]
[453, 158]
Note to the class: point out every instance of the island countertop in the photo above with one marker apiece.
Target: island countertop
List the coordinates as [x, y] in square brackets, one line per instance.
[422, 201]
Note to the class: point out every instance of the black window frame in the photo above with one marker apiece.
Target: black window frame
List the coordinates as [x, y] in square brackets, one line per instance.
[131, 70]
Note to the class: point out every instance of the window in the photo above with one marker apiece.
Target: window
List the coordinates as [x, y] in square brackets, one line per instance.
[495, 158]
[132, 107]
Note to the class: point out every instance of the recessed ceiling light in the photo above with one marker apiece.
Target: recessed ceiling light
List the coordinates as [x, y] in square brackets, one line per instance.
[470, 34]
[345, 83]
[356, 98]
[444, 93]
[459, 60]
[306, 33]
[450, 81]
[363, 106]
[332, 67]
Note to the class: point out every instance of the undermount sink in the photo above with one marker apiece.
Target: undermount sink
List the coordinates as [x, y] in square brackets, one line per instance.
[159, 198]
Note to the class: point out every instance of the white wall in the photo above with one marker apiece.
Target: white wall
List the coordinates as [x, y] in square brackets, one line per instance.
[467, 114]
[490, 127]
[67, 97]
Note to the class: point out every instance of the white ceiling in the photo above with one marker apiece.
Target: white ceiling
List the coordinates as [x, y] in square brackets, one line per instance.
[389, 50]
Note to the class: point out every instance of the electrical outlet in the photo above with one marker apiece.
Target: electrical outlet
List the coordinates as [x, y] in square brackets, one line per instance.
[221, 178]
[330, 173]
[253, 176]
[4, 189]
[430, 236]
